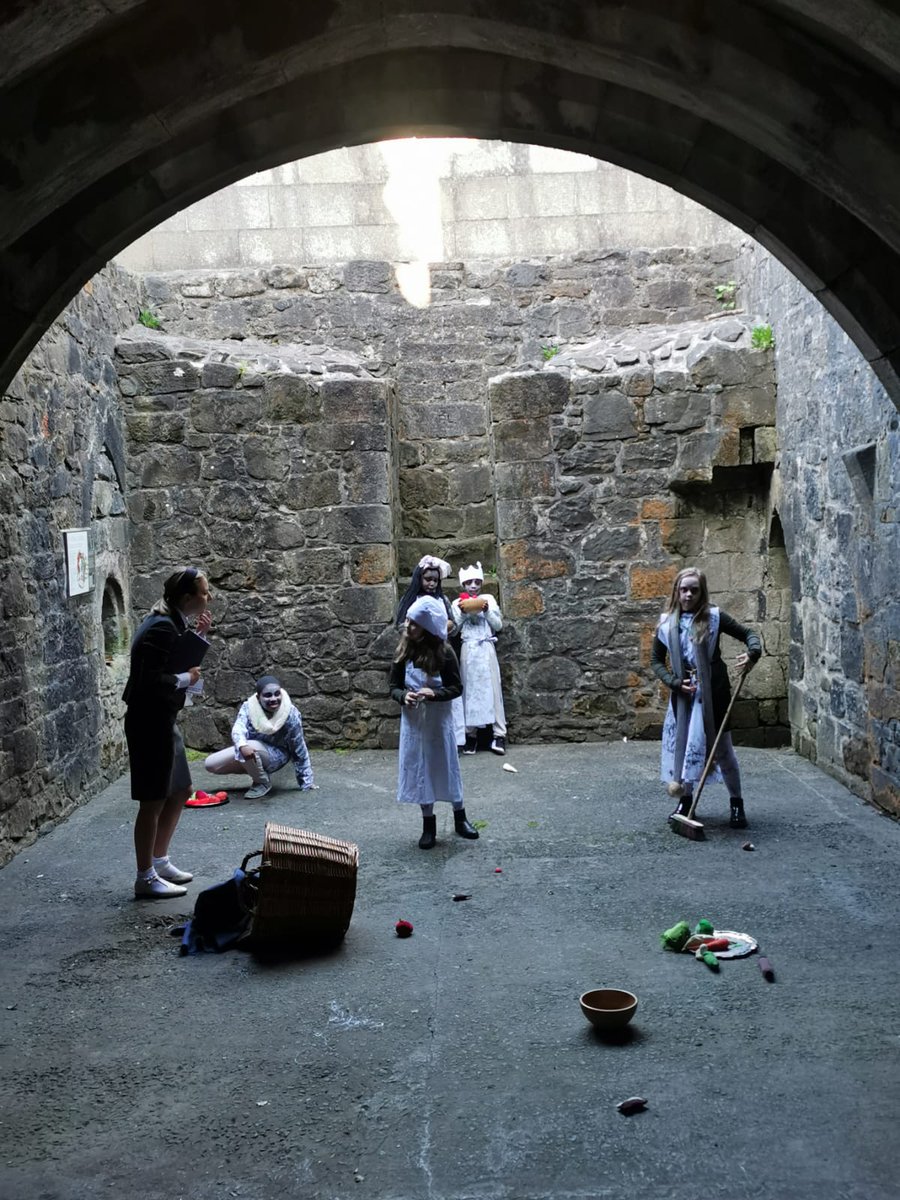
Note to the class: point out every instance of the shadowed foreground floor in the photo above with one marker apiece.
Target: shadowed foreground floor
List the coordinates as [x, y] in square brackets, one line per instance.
[457, 1064]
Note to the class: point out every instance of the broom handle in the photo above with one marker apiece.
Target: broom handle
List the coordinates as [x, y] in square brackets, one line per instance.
[712, 754]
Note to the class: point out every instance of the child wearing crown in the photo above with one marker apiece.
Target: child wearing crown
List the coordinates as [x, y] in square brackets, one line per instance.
[479, 620]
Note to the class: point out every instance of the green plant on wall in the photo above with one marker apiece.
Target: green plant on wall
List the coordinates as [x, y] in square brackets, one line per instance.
[726, 294]
[762, 337]
[548, 352]
[147, 318]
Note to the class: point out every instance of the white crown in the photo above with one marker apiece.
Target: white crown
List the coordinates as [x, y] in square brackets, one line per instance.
[468, 573]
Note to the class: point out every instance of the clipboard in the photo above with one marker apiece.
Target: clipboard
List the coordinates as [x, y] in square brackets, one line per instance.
[189, 651]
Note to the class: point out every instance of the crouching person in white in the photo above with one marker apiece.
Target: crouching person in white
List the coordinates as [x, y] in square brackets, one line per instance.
[267, 733]
[479, 621]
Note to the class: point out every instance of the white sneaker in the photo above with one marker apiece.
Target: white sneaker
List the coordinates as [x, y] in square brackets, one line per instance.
[172, 874]
[155, 888]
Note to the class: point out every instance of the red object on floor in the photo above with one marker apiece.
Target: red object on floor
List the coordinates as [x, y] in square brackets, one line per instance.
[201, 799]
[404, 928]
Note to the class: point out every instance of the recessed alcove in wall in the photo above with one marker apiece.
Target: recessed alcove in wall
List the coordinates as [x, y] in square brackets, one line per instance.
[114, 622]
[861, 464]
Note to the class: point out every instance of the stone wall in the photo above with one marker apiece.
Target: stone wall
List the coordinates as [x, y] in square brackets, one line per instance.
[275, 471]
[626, 460]
[484, 318]
[466, 197]
[63, 660]
[651, 448]
[839, 478]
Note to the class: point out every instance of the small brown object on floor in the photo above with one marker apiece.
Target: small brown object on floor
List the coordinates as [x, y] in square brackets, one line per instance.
[632, 1105]
[463, 896]
[748, 846]
[766, 967]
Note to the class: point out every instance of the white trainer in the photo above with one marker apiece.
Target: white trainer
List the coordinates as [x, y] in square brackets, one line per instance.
[172, 873]
[155, 888]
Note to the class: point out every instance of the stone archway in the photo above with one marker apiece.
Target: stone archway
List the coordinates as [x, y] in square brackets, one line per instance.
[778, 117]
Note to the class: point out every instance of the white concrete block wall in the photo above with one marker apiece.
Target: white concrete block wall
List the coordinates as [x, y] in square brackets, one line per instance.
[496, 200]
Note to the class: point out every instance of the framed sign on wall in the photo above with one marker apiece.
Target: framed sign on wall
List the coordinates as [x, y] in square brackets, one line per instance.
[79, 574]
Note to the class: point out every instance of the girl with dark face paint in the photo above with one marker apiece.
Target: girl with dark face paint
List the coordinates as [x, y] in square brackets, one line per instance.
[426, 581]
[267, 733]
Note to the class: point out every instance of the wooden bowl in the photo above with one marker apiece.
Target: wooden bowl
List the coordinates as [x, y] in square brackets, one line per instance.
[608, 1008]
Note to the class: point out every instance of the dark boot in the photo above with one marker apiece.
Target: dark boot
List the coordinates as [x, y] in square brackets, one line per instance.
[462, 826]
[684, 806]
[429, 833]
[737, 820]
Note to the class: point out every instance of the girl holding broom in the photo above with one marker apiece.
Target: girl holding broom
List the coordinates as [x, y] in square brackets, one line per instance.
[424, 680]
[688, 634]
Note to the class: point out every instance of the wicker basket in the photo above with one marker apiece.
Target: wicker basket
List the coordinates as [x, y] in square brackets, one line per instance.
[305, 888]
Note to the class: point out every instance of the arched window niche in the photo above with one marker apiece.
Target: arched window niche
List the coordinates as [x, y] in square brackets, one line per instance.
[112, 616]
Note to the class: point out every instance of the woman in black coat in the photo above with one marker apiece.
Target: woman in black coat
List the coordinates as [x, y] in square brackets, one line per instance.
[155, 694]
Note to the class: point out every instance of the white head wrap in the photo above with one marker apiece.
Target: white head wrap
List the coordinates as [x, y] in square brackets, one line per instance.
[468, 573]
[429, 560]
[430, 614]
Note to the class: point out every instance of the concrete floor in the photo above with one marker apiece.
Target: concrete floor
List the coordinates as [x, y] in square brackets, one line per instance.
[457, 1064]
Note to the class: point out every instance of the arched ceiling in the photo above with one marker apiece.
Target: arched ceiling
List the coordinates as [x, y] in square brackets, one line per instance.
[781, 116]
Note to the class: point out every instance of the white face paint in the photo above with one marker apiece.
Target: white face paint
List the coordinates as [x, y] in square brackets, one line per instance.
[689, 593]
[472, 586]
[270, 697]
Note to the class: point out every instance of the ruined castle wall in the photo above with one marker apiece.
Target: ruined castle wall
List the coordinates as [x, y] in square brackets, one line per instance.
[274, 471]
[484, 318]
[63, 660]
[622, 462]
[839, 479]
[660, 452]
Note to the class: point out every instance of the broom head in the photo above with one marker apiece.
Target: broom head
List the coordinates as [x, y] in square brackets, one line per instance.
[687, 827]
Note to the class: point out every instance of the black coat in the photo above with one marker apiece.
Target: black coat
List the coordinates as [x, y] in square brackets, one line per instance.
[154, 701]
[150, 683]
[721, 688]
[451, 680]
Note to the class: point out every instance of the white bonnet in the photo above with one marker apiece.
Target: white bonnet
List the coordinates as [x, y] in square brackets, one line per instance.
[430, 560]
[430, 614]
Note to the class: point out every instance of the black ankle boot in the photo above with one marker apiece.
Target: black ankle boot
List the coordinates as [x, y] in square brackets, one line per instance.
[462, 826]
[429, 833]
[684, 806]
[737, 820]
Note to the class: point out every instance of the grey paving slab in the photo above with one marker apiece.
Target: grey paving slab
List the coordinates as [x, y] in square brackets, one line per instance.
[456, 1065]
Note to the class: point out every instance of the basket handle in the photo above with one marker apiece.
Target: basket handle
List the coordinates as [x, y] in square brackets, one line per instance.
[251, 886]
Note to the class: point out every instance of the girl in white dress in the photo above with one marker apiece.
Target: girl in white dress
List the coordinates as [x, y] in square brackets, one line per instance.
[478, 624]
[424, 680]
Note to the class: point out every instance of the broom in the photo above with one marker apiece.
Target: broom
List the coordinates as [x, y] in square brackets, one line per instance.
[687, 826]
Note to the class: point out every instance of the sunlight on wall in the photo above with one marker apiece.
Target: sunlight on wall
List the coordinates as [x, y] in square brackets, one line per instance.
[412, 195]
